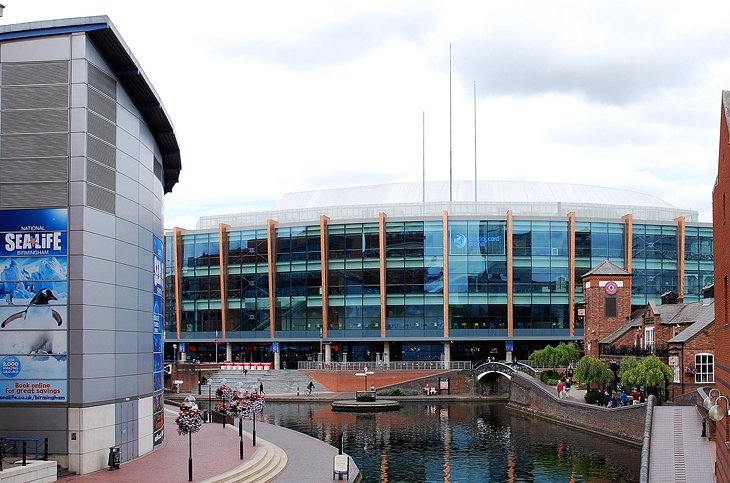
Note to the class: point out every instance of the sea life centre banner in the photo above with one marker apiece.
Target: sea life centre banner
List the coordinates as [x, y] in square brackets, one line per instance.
[33, 305]
[158, 304]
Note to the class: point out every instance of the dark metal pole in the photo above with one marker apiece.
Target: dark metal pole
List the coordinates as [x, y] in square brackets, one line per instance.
[254, 428]
[342, 442]
[2, 455]
[190, 456]
[45, 450]
[24, 454]
[240, 437]
[210, 407]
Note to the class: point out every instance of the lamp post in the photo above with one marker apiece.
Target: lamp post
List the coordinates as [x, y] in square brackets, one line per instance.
[216, 347]
[365, 373]
[321, 337]
[174, 353]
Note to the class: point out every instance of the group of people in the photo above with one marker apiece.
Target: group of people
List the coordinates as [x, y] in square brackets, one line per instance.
[614, 399]
[564, 388]
[429, 390]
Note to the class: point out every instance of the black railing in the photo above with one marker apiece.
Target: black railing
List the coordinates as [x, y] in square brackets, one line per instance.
[636, 351]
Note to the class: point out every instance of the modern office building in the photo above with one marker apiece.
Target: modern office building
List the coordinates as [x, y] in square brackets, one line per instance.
[389, 272]
[87, 152]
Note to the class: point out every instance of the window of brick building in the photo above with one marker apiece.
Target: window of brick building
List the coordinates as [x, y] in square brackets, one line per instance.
[704, 368]
[611, 307]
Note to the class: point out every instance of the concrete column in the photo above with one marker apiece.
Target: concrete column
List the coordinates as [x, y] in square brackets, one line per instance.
[277, 361]
[229, 352]
[182, 357]
[447, 355]
[327, 353]
[386, 352]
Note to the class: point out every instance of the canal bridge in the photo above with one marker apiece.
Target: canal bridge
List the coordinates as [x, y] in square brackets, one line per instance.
[506, 369]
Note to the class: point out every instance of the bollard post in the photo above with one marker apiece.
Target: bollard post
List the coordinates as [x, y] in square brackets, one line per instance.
[45, 450]
[342, 443]
[254, 428]
[240, 437]
[24, 454]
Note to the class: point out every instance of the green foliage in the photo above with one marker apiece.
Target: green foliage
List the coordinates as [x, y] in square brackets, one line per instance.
[592, 371]
[561, 355]
[649, 371]
[398, 392]
[627, 371]
[591, 396]
[546, 376]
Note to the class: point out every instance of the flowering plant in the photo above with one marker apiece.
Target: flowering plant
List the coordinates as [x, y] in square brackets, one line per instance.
[690, 371]
[239, 405]
[189, 421]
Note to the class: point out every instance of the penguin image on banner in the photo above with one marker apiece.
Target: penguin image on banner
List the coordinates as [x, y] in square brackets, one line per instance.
[31, 331]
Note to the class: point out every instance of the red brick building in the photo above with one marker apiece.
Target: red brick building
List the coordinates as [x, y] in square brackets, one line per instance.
[721, 235]
[680, 334]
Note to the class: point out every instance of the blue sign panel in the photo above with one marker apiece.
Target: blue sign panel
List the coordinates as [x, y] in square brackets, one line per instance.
[158, 305]
[33, 305]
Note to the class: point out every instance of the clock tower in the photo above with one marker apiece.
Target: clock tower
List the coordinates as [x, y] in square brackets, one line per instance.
[607, 298]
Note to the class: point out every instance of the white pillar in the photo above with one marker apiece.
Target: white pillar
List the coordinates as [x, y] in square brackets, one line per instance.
[327, 353]
[182, 356]
[277, 361]
[386, 352]
[229, 352]
[447, 355]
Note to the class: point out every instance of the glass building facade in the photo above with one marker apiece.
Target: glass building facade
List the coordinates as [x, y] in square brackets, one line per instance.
[409, 286]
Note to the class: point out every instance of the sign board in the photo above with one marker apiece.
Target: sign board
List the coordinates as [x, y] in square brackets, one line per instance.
[275, 347]
[444, 384]
[674, 361]
[182, 347]
[508, 346]
[33, 305]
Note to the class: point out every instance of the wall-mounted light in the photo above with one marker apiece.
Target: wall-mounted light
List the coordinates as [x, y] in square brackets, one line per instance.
[709, 401]
[716, 412]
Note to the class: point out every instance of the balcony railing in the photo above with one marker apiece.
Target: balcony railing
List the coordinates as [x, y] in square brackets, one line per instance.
[635, 350]
[385, 366]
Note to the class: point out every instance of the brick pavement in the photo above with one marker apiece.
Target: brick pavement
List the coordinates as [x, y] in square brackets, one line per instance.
[215, 451]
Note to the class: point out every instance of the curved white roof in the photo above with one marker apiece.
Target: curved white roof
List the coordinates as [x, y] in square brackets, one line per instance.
[487, 191]
[495, 198]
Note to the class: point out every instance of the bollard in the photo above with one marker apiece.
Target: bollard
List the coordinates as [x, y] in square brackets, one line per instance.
[24, 454]
[45, 450]
[254, 429]
[240, 437]
[342, 443]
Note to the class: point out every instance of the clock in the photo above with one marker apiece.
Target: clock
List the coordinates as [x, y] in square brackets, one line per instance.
[611, 288]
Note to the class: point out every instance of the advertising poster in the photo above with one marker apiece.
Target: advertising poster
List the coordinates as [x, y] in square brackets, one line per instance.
[158, 291]
[33, 305]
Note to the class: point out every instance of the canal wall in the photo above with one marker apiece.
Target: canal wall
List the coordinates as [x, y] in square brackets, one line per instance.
[624, 424]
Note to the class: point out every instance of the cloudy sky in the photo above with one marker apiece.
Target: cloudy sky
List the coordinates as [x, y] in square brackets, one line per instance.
[269, 97]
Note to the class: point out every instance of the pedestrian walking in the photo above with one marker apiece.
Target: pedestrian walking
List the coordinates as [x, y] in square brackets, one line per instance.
[560, 388]
[624, 398]
[568, 383]
[261, 387]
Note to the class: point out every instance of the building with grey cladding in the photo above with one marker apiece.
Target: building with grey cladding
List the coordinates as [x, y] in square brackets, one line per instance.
[85, 137]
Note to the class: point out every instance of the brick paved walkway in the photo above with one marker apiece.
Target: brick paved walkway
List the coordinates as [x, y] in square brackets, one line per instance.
[678, 451]
[215, 451]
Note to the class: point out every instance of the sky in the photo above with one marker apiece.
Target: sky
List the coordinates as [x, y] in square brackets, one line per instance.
[279, 96]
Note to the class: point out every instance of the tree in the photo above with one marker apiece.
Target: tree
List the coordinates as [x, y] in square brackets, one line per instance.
[651, 371]
[561, 355]
[592, 371]
[627, 371]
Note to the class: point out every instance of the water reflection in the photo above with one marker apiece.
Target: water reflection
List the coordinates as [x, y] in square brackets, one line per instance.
[461, 442]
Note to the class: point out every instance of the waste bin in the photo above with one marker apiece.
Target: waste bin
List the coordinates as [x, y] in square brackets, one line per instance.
[115, 458]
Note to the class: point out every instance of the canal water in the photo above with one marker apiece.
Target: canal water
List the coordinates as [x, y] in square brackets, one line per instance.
[460, 442]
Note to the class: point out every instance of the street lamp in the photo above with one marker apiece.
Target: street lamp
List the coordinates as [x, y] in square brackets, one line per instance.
[717, 413]
[709, 401]
[174, 353]
[321, 336]
[216, 347]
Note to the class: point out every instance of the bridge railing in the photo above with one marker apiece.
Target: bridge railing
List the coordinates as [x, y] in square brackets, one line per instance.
[385, 366]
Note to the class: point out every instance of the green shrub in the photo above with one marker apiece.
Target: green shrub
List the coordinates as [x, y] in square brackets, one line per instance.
[591, 396]
[398, 392]
[547, 376]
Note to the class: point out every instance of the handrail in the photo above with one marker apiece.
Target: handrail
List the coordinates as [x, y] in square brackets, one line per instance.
[385, 366]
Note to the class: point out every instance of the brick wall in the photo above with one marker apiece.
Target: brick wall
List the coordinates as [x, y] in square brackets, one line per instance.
[597, 325]
[624, 423]
[721, 235]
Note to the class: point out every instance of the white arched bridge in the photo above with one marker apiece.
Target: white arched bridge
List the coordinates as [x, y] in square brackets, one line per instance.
[506, 369]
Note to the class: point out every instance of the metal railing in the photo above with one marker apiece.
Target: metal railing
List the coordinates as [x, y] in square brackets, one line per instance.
[385, 366]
